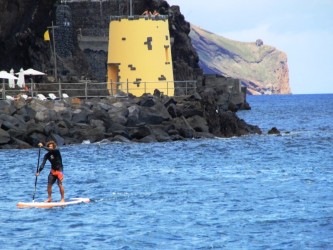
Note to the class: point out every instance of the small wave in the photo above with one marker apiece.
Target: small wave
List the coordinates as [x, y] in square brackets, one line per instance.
[86, 142]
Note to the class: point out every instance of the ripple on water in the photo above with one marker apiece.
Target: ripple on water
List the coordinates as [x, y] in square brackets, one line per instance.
[252, 192]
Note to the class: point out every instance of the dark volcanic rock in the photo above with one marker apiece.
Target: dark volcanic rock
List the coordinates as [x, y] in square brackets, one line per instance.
[184, 56]
[274, 131]
[4, 136]
[22, 25]
[121, 120]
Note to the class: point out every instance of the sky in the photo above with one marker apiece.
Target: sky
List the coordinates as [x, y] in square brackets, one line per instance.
[303, 29]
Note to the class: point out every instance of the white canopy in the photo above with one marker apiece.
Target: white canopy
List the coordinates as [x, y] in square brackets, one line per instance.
[33, 72]
[6, 75]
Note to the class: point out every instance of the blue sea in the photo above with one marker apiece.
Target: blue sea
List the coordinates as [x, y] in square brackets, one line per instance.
[252, 192]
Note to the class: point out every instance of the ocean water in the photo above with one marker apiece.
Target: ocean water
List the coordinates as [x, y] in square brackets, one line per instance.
[253, 192]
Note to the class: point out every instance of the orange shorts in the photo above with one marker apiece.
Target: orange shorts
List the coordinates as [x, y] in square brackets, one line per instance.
[55, 175]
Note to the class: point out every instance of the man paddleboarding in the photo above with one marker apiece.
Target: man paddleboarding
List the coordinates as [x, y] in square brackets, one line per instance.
[56, 174]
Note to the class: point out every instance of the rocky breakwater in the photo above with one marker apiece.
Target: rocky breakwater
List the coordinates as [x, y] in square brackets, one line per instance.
[149, 118]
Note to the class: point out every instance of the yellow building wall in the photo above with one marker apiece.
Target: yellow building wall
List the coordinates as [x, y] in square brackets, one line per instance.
[139, 56]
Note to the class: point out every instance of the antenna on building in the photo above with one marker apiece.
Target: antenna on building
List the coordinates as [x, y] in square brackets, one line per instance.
[131, 8]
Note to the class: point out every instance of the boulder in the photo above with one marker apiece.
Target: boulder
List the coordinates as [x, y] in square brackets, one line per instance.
[118, 113]
[45, 115]
[50, 128]
[104, 106]
[148, 139]
[62, 127]
[198, 123]
[12, 122]
[154, 115]
[190, 109]
[59, 106]
[139, 132]
[147, 101]
[18, 133]
[100, 114]
[18, 144]
[160, 134]
[33, 127]
[79, 116]
[34, 138]
[172, 110]
[133, 115]
[274, 131]
[170, 101]
[119, 138]
[38, 105]
[4, 136]
[231, 125]
[203, 135]
[27, 112]
[57, 138]
[6, 107]
[183, 128]
[97, 124]
[65, 114]
[82, 132]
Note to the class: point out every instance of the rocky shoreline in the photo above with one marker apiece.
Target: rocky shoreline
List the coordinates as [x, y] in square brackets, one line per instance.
[149, 118]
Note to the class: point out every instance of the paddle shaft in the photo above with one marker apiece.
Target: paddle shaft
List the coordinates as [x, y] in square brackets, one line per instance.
[33, 197]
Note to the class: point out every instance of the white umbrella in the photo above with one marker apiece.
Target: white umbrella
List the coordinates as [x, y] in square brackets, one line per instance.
[20, 81]
[11, 82]
[6, 75]
[33, 72]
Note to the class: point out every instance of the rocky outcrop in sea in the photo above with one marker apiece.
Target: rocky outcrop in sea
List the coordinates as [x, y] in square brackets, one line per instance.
[149, 118]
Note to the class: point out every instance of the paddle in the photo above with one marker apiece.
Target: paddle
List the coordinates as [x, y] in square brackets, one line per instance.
[33, 197]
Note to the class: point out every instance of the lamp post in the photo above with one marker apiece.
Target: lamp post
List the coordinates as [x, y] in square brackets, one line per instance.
[52, 27]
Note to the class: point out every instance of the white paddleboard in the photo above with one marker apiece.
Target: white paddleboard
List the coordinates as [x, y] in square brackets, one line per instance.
[72, 201]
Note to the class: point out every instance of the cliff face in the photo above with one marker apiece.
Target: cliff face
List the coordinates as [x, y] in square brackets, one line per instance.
[184, 56]
[263, 69]
[22, 24]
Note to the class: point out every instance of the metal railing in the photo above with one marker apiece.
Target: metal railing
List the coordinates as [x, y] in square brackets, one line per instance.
[89, 89]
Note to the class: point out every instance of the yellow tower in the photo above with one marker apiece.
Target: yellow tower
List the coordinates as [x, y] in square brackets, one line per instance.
[139, 55]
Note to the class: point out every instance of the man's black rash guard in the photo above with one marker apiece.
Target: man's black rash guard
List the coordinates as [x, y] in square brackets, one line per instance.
[54, 157]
